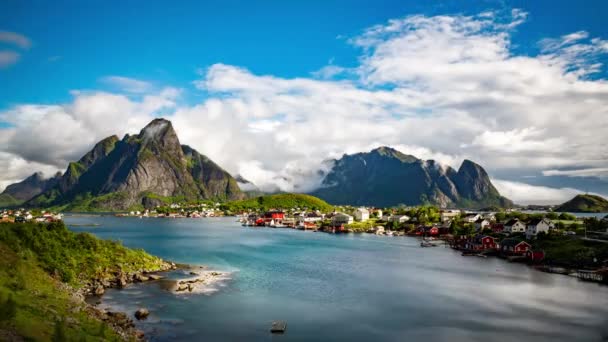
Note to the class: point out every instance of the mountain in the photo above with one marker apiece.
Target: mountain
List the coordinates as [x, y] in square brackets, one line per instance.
[386, 177]
[585, 204]
[142, 170]
[25, 190]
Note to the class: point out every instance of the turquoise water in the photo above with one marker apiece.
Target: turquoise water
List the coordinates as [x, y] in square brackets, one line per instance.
[346, 288]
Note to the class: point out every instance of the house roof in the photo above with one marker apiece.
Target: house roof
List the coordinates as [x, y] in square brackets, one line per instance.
[512, 242]
[511, 222]
[535, 221]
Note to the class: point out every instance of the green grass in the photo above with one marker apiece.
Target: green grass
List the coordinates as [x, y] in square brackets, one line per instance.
[8, 201]
[279, 201]
[74, 257]
[572, 251]
[38, 261]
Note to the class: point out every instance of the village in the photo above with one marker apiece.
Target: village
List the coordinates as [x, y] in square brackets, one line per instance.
[481, 234]
[22, 215]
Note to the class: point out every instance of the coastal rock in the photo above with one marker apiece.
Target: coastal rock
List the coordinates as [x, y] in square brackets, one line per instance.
[99, 290]
[140, 278]
[141, 313]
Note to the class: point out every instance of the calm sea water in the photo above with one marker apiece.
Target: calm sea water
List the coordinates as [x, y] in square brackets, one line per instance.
[346, 288]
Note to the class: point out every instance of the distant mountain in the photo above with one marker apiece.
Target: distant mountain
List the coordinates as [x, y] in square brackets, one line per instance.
[25, 190]
[142, 170]
[387, 177]
[585, 204]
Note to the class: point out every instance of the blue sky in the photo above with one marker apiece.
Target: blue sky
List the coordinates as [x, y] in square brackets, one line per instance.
[518, 86]
[74, 43]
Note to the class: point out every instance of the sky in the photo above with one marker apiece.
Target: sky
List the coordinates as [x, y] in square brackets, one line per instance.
[271, 90]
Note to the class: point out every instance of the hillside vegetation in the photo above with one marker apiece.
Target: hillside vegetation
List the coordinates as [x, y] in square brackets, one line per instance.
[279, 201]
[40, 269]
[585, 204]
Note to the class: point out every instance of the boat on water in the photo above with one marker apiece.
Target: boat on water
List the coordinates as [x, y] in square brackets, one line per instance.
[427, 244]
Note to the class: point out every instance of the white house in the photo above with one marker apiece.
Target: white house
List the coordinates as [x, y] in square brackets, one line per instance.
[341, 218]
[490, 217]
[471, 217]
[448, 215]
[536, 226]
[514, 226]
[361, 214]
[312, 217]
[481, 224]
[398, 218]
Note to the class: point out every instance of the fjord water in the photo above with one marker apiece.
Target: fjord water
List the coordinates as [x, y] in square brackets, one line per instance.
[346, 288]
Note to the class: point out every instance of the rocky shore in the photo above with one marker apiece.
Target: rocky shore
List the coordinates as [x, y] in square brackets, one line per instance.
[195, 279]
[120, 321]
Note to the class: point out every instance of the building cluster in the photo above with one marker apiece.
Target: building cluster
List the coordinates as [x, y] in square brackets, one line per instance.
[22, 215]
[176, 212]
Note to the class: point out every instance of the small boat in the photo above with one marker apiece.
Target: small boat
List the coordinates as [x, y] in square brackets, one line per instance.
[481, 255]
[469, 254]
[427, 244]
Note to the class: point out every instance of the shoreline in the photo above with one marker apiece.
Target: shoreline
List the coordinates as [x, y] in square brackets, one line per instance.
[194, 280]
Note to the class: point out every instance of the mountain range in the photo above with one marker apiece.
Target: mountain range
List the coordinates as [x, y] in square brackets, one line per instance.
[153, 168]
[386, 177]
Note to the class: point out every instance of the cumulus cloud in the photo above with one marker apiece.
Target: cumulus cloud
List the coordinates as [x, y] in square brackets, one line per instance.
[443, 87]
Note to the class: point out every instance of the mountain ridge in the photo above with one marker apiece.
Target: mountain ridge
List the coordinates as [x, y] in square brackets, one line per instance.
[139, 171]
[387, 177]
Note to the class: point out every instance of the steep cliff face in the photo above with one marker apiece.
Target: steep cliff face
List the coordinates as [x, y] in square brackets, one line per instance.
[387, 177]
[30, 187]
[141, 170]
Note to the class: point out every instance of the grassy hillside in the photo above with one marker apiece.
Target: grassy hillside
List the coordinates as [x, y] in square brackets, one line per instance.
[8, 201]
[585, 204]
[279, 201]
[40, 269]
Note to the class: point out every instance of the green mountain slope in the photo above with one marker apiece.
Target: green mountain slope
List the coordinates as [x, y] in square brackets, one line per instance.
[585, 204]
[279, 201]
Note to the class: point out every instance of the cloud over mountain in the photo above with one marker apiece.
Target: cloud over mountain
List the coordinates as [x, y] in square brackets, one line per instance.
[447, 87]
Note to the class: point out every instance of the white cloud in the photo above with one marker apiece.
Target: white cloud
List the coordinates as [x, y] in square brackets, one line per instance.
[600, 172]
[127, 84]
[8, 58]
[16, 39]
[443, 87]
[522, 193]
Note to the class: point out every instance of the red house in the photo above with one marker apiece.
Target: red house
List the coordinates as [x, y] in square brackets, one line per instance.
[481, 243]
[428, 230]
[275, 215]
[514, 247]
[535, 256]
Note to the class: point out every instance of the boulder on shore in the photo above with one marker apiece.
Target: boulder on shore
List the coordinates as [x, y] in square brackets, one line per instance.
[99, 290]
[141, 313]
